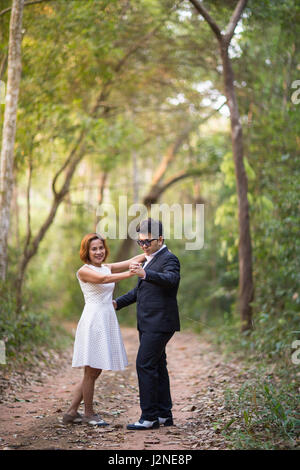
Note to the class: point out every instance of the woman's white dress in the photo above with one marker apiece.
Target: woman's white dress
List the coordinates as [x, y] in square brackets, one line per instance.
[98, 339]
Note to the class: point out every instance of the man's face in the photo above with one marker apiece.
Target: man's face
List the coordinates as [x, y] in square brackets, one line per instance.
[154, 245]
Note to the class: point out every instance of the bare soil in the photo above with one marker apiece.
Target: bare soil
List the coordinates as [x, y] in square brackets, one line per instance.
[32, 403]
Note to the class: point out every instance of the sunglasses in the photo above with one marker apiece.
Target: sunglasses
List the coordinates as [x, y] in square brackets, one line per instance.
[145, 242]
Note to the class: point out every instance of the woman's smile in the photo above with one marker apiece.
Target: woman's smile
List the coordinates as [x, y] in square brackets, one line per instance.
[99, 257]
[97, 251]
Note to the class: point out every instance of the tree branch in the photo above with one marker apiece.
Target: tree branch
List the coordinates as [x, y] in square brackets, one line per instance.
[153, 196]
[174, 147]
[145, 38]
[234, 20]
[227, 36]
[67, 161]
[28, 236]
[200, 8]
[6, 10]
[170, 155]
[3, 65]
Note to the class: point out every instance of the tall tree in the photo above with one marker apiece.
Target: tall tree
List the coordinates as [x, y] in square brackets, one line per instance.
[246, 290]
[9, 127]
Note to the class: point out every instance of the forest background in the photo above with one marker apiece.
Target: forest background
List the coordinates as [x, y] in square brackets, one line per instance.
[127, 98]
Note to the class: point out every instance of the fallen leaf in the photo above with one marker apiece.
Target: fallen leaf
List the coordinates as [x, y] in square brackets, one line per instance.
[188, 408]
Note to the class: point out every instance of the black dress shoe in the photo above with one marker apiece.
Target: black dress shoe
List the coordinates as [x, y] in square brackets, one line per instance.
[166, 421]
[143, 425]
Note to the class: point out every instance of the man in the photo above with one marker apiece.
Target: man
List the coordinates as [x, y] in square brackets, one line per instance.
[157, 320]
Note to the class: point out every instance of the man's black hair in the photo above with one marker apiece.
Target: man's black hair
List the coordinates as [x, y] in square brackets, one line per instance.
[150, 226]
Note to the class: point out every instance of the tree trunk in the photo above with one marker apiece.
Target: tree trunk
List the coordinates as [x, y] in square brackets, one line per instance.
[3, 66]
[246, 289]
[9, 128]
[16, 211]
[102, 184]
[245, 246]
[31, 246]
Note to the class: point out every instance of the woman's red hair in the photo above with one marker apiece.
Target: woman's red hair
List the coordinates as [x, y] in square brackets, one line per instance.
[85, 246]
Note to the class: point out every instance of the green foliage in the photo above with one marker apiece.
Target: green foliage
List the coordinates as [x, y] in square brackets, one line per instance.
[266, 413]
[147, 66]
[27, 333]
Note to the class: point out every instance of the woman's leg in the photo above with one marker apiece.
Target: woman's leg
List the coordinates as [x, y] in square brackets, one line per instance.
[85, 391]
[77, 399]
[88, 385]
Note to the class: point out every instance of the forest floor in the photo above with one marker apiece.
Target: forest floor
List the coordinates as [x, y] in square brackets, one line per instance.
[32, 404]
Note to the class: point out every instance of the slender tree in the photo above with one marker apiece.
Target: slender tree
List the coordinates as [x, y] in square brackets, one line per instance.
[246, 290]
[9, 127]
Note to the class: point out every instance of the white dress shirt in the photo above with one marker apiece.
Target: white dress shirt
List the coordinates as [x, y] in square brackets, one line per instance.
[150, 257]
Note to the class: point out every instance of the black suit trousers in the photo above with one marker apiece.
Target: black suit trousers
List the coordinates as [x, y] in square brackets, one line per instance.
[153, 377]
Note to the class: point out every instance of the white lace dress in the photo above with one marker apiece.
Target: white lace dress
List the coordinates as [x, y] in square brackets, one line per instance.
[98, 339]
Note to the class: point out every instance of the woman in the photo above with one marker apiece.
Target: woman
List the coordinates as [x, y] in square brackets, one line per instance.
[98, 341]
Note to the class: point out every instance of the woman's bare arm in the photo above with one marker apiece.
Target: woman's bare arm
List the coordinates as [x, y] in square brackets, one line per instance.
[123, 265]
[86, 274]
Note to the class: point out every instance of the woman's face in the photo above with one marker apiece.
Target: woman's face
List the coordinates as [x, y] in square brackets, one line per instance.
[96, 252]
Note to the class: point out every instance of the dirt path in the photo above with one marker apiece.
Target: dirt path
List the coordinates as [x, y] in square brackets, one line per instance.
[31, 413]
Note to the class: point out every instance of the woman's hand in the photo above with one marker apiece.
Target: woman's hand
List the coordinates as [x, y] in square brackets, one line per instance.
[136, 268]
[128, 274]
[121, 266]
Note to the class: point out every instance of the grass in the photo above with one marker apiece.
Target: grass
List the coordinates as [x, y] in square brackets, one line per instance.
[265, 414]
[27, 335]
[265, 407]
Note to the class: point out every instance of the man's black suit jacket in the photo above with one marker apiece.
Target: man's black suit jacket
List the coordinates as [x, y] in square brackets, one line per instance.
[157, 309]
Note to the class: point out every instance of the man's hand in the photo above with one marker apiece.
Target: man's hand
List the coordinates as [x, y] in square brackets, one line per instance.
[114, 304]
[136, 268]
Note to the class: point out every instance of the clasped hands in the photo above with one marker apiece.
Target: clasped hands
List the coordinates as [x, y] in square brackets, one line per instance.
[136, 268]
